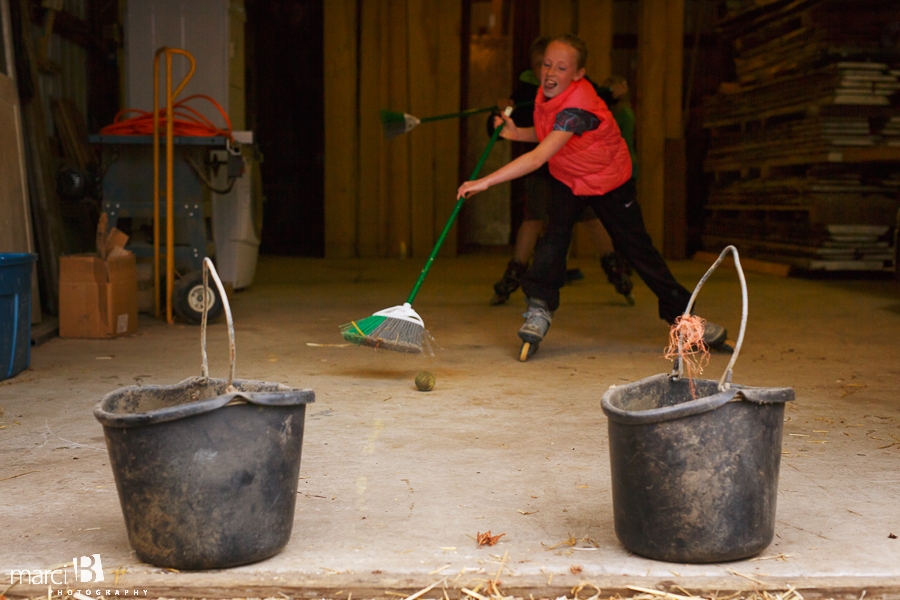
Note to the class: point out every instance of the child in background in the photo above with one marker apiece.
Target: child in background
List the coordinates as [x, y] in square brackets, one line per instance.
[591, 166]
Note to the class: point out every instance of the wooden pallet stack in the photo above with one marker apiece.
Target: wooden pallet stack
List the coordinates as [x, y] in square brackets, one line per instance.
[805, 145]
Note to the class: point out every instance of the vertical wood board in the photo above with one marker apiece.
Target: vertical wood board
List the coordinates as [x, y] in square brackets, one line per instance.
[674, 69]
[558, 17]
[370, 219]
[675, 246]
[15, 226]
[398, 148]
[423, 75]
[446, 133]
[384, 94]
[49, 238]
[674, 215]
[595, 27]
[650, 133]
[341, 135]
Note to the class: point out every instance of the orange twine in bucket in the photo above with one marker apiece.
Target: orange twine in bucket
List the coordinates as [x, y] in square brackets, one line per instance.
[694, 354]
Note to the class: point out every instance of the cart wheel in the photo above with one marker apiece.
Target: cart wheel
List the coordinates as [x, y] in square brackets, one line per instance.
[187, 299]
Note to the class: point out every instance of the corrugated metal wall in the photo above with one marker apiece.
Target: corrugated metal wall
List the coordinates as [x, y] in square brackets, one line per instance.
[72, 79]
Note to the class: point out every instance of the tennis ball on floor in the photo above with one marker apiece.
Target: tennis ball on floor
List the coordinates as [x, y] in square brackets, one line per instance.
[425, 381]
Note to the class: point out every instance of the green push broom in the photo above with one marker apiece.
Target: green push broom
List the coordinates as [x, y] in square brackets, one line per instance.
[396, 123]
[400, 328]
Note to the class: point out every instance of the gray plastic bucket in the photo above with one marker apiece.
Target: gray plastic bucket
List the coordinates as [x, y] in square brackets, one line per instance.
[206, 469]
[695, 473]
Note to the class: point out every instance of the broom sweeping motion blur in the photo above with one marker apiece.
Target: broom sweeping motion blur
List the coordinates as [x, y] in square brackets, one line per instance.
[400, 328]
[397, 123]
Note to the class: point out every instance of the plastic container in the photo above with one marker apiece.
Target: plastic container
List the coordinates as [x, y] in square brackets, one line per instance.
[207, 469]
[237, 223]
[695, 472]
[15, 313]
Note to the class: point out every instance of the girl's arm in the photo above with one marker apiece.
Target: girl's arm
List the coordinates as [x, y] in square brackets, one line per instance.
[528, 162]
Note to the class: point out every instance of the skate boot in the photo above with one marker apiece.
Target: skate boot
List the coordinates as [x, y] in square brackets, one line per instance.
[618, 271]
[537, 321]
[714, 336]
[509, 282]
[573, 275]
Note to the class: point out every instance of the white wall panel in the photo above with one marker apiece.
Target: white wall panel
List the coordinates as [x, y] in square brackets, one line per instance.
[200, 27]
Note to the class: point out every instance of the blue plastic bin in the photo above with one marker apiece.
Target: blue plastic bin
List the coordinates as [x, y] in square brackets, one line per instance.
[15, 312]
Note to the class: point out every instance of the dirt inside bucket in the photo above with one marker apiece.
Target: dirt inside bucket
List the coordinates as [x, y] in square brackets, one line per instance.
[650, 397]
[143, 399]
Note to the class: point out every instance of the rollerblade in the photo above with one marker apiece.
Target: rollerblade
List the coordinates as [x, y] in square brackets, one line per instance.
[537, 321]
[573, 275]
[714, 337]
[619, 274]
[509, 282]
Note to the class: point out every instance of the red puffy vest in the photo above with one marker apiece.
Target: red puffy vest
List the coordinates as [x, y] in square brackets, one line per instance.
[595, 162]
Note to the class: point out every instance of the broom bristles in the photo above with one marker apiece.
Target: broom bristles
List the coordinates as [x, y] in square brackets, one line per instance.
[378, 331]
[395, 123]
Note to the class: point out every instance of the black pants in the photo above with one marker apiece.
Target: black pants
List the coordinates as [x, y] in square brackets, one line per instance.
[620, 214]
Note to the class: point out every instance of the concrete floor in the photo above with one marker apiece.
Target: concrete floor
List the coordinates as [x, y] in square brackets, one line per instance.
[395, 483]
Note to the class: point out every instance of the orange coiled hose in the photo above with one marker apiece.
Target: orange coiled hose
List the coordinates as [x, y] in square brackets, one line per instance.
[185, 121]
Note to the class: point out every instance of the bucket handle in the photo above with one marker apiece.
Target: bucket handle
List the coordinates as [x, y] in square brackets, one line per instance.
[208, 267]
[725, 380]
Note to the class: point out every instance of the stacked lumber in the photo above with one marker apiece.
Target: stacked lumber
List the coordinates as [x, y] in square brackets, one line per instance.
[842, 83]
[830, 219]
[805, 145]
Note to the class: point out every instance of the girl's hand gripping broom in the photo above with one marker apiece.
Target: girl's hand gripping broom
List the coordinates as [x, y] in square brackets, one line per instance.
[400, 328]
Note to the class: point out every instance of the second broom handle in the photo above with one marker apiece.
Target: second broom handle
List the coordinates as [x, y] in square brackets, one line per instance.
[471, 111]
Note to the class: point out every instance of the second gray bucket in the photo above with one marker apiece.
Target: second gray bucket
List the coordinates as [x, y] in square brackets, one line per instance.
[695, 462]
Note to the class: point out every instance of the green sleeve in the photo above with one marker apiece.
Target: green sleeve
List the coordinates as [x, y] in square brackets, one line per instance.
[624, 117]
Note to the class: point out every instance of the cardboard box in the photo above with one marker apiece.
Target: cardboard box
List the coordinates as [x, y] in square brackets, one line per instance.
[98, 298]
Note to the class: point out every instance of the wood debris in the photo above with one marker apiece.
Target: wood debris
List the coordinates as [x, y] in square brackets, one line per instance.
[473, 594]
[438, 570]
[575, 591]
[425, 590]
[747, 576]
[19, 475]
[668, 595]
[781, 556]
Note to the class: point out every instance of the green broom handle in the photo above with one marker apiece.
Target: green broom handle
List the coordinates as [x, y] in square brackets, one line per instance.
[471, 111]
[452, 218]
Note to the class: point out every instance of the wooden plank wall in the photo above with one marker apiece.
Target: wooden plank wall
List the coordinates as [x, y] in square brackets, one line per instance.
[674, 212]
[341, 130]
[422, 68]
[558, 16]
[446, 133]
[595, 27]
[650, 125]
[390, 198]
